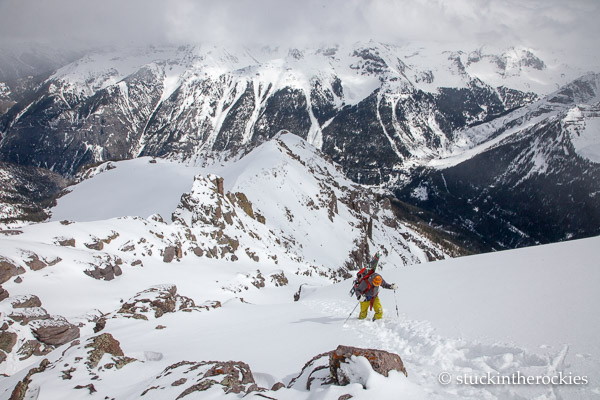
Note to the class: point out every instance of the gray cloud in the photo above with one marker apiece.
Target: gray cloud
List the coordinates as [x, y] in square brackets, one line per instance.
[546, 24]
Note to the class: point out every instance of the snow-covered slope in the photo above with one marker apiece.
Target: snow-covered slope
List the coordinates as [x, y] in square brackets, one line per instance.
[528, 311]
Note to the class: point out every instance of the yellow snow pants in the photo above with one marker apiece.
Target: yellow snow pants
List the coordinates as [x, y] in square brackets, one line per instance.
[364, 309]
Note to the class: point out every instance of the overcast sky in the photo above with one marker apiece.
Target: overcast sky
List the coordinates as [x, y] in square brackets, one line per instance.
[543, 24]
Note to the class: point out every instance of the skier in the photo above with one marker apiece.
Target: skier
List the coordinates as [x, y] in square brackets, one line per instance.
[367, 292]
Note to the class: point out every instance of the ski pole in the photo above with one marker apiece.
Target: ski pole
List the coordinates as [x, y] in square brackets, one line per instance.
[351, 312]
[396, 299]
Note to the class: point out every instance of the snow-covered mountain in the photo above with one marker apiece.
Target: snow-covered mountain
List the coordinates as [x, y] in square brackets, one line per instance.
[529, 177]
[184, 102]
[382, 112]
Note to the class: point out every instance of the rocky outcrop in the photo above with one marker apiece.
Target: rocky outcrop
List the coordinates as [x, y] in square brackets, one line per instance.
[103, 344]
[54, 331]
[3, 293]
[26, 315]
[65, 242]
[381, 361]
[314, 373]
[335, 367]
[157, 301]
[187, 378]
[20, 390]
[208, 207]
[8, 269]
[106, 269]
[7, 341]
[172, 252]
[46, 331]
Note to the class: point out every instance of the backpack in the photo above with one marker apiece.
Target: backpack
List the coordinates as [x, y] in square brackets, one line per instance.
[364, 274]
[361, 276]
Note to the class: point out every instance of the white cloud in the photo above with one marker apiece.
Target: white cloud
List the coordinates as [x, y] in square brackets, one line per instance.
[569, 25]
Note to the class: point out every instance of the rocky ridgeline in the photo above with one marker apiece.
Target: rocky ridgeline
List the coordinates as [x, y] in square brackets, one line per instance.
[223, 218]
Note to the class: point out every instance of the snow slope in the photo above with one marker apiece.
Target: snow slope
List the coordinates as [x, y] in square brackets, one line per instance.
[528, 310]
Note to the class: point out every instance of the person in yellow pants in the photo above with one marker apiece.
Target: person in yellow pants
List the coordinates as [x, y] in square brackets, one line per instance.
[368, 291]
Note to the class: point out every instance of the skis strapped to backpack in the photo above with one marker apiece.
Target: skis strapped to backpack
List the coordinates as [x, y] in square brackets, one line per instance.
[365, 273]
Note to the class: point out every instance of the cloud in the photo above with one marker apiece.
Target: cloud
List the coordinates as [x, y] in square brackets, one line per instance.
[549, 24]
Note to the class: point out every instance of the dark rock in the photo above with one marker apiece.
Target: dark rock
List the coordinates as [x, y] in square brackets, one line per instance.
[10, 232]
[33, 348]
[169, 254]
[3, 293]
[219, 184]
[279, 279]
[259, 280]
[155, 302]
[7, 270]
[110, 237]
[260, 218]
[381, 361]
[107, 273]
[127, 247]
[106, 344]
[89, 386]
[67, 374]
[277, 386]
[35, 263]
[232, 376]
[7, 341]
[327, 368]
[66, 242]
[18, 280]
[315, 372]
[20, 389]
[26, 315]
[252, 255]
[54, 261]
[26, 301]
[297, 294]
[100, 325]
[96, 244]
[55, 331]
